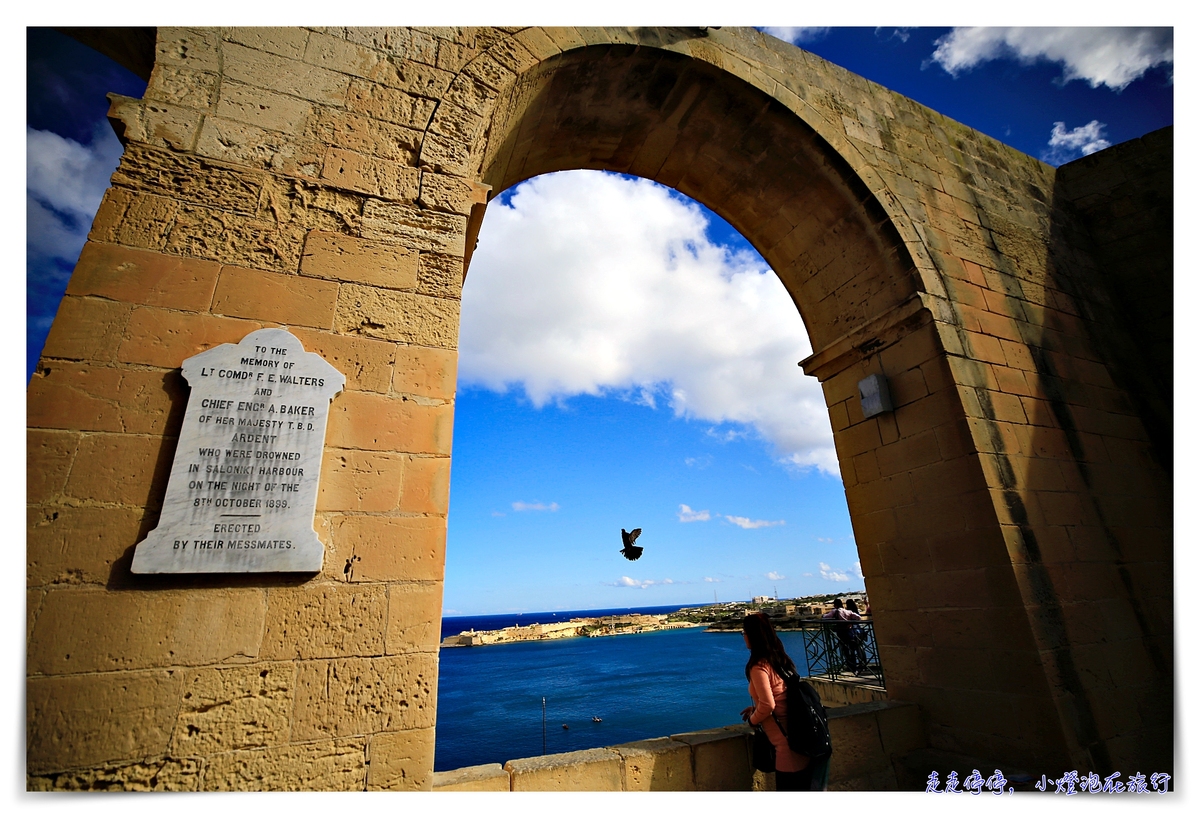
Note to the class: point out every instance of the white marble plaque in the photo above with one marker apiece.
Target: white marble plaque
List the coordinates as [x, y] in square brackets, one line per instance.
[243, 487]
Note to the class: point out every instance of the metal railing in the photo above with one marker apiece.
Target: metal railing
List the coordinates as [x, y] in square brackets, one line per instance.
[841, 649]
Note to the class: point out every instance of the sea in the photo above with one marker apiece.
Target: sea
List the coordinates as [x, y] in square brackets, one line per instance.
[640, 686]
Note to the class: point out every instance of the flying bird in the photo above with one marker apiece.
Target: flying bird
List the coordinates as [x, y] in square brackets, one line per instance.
[631, 551]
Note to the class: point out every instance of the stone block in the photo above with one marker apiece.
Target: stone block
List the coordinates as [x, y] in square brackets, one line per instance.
[414, 617]
[164, 775]
[440, 276]
[326, 620]
[415, 228]
[346, 258]
[389, 104]
[285, 299]
[74, 545]
[401, 761]
[123, 469]
[79, 396]
[284, 41]
[231, 140]
[376, 177]
[397, 316]
[596, 770]
[481, 778]
[195, 48]
[361, 134]
[352, 480]
[450, 193]
[720, 758]
[431, 373]
[178, 85]
[323, 766]
[86, 329]
[84, 721]
[392, 548]
[233, 708]
[366, 363]
[48, 458]
[426, 486]
[81, 630]
[155, 124]
[656, 765]
[286, 76]
[349, 697]
[362, 420]
[857, 748]
[108, 218]
[143, 277]
[162, 338]
[263, 109]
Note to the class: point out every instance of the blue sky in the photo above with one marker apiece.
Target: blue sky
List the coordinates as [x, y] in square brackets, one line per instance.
[625, 360]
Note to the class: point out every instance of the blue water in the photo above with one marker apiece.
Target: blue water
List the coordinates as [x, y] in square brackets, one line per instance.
[641, 686]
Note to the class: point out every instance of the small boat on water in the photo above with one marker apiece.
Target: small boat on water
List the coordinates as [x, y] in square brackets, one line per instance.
[597, 719]
[565, 727]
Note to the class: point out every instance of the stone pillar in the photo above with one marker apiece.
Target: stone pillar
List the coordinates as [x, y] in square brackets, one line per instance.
[265, 182]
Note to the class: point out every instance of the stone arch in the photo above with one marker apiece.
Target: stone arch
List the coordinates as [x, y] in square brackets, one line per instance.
[333, 181]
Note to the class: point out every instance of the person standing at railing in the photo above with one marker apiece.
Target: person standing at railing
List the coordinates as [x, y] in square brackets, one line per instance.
[768, 690]
[842, 630]
[858, 636]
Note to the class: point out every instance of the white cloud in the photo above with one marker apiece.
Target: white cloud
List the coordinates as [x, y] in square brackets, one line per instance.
[628, 582]
[775, 575]
[1066, 145]
[808, 573]
[746, 522]
[832, 575]
[535, 506]
[698, 462]
[64, 184]
[592, 283]
[1101, 56]
[686, 515]
[796, 34]
[858, 574]
[711, 579]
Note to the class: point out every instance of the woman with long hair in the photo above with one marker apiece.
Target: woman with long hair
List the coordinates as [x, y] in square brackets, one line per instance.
[765, 670]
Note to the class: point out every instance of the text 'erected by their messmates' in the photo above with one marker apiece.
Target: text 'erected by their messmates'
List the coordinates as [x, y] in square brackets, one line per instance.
[243, 486]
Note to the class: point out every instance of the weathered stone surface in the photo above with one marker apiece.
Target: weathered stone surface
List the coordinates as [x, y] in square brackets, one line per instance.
[426, 487]
[282, 40]
[72, 545]
[392, 548]
[183, 86]
[347, 697]
[85, 721]
[133, 276]
[581, 771]
[74, 632]
[325, 620]
[366, 363]
[263, 109]
[425, 230]
[414, 617]
[166, 775]
[360, 481]
[273, 297]
[164, 339]
[346, 258]
[334, 766]
[275, 73]
[49, 455]
[431, 373]
[389, 104]
[376, 177]
[440, 275]
[397, 316]
[362, 420]
[719, 757]
[86, 329]
[656, 765]
[481, 778]
[233, 708]
[401, 761]
[120, 469]
[450, 193]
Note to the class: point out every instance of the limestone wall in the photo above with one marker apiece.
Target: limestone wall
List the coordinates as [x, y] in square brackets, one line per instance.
[868, 741]
[1011, 518]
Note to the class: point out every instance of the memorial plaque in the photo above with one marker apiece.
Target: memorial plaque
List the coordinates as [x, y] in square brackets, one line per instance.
[243, 487]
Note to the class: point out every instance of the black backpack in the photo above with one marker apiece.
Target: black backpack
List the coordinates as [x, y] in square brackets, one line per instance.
[807, 728]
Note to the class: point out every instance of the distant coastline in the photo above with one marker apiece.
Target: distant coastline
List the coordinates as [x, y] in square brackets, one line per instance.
[714, 617]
